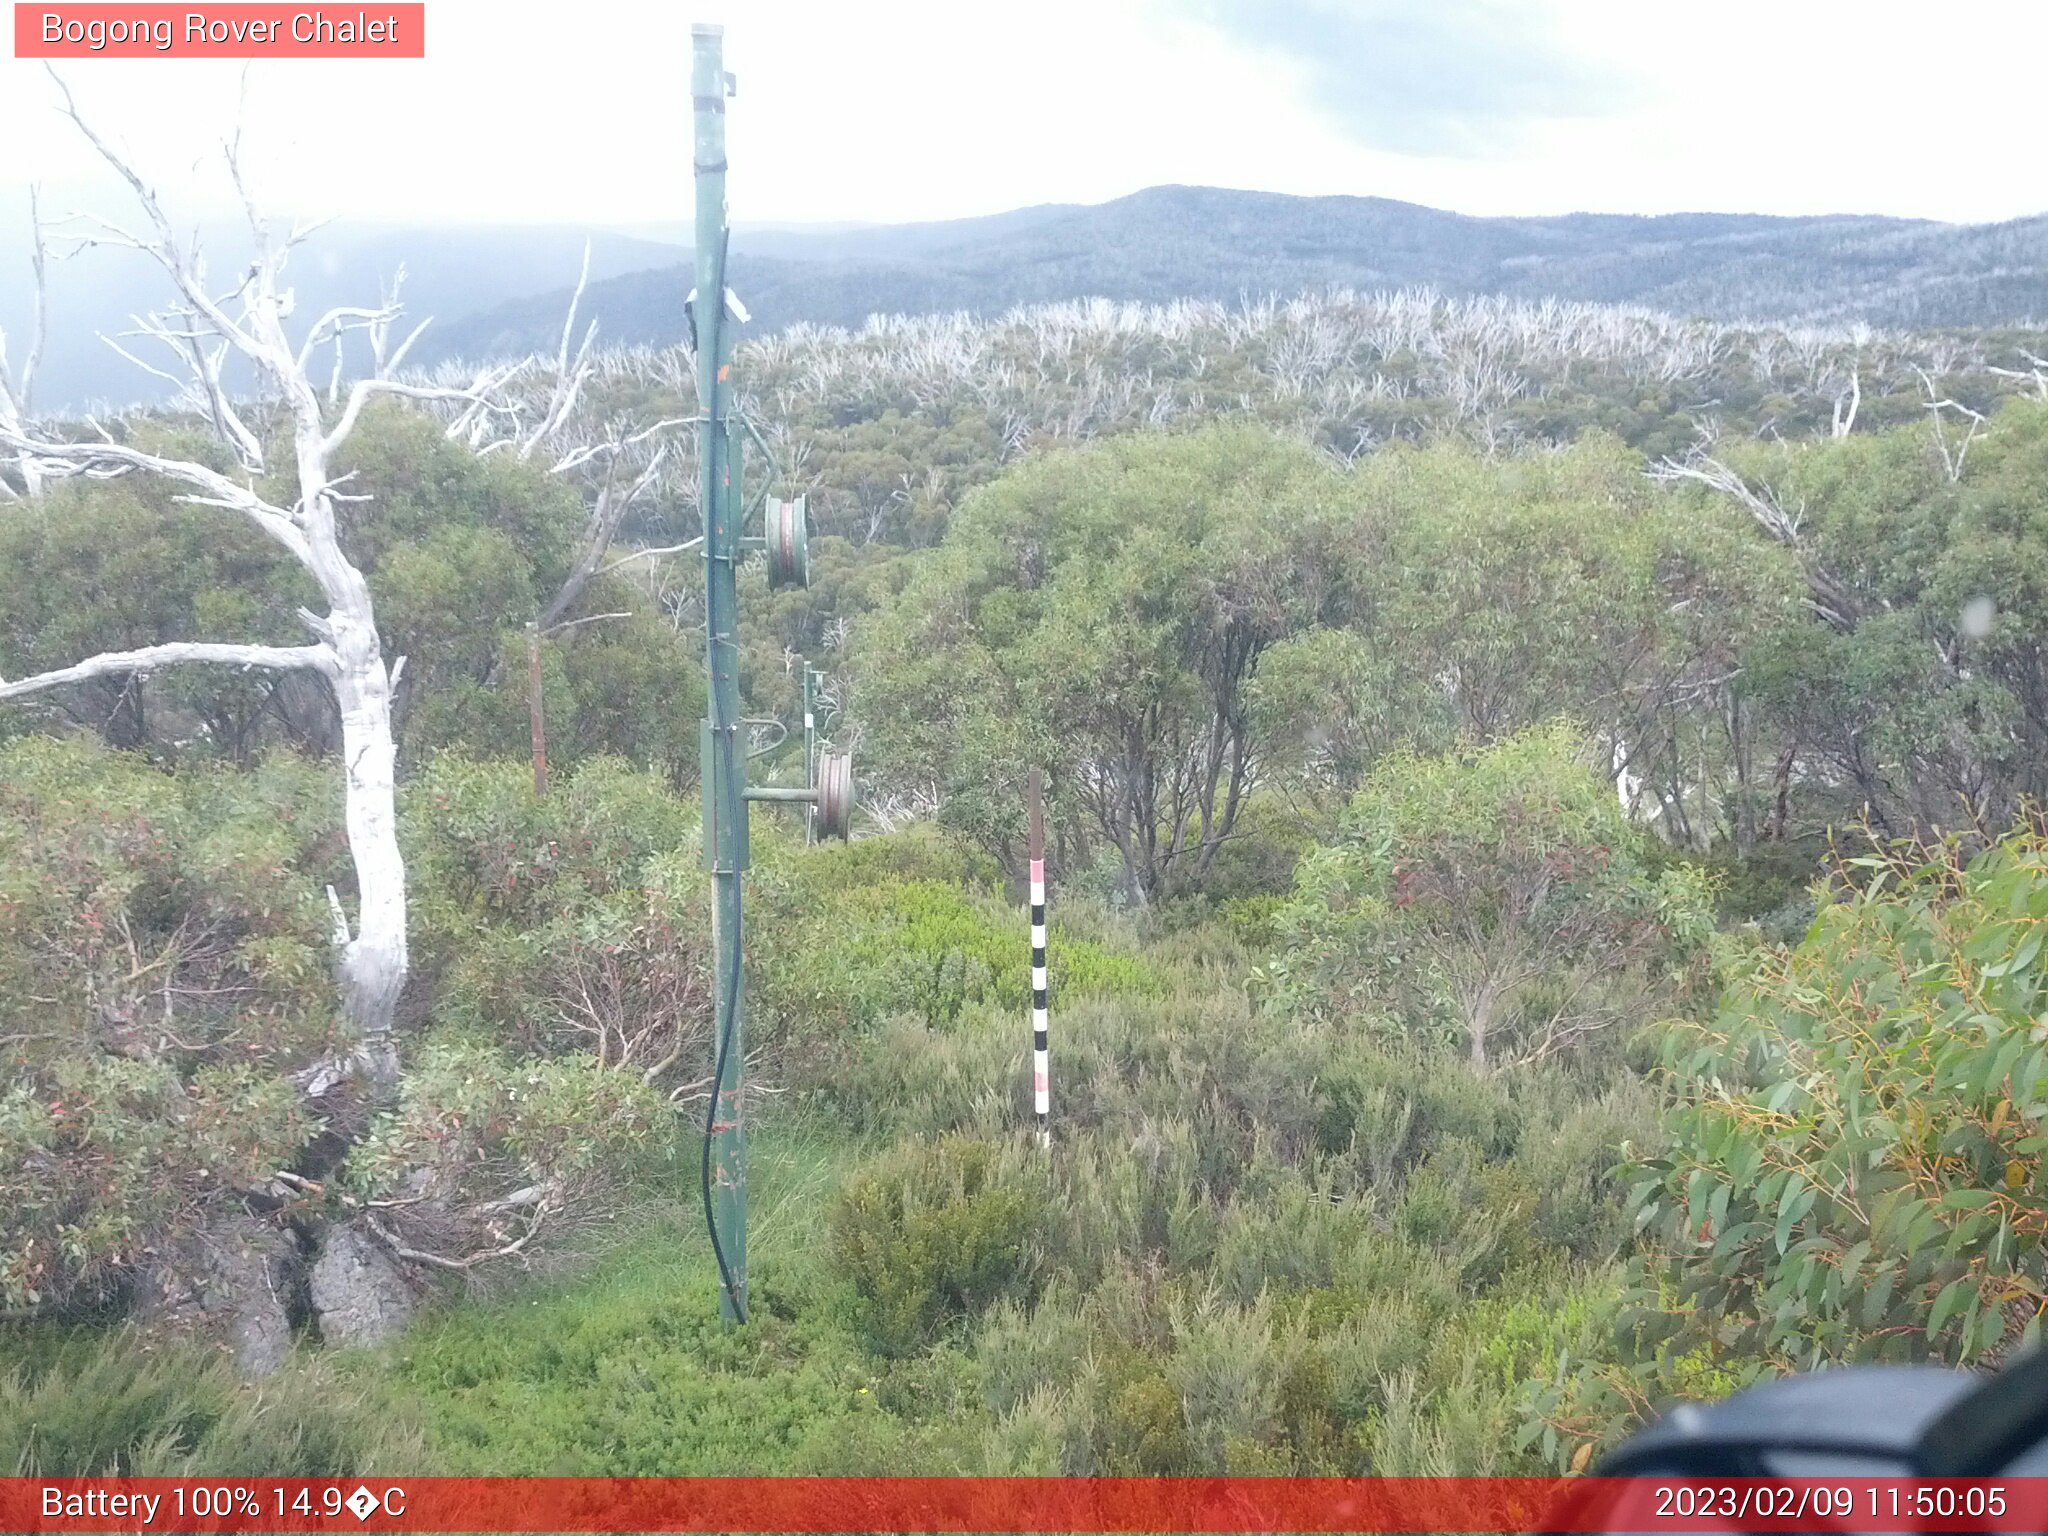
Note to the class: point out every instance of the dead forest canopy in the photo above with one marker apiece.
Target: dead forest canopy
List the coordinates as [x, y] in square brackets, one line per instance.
[1480, 732]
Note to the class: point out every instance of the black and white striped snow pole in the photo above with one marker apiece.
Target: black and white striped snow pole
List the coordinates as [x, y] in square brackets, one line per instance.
[1041, 1051]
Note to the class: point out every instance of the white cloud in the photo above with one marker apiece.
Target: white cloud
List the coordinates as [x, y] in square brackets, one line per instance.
[907, 109]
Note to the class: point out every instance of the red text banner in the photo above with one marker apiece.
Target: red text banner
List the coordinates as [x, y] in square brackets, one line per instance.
[1021, 1504]
[235, 31]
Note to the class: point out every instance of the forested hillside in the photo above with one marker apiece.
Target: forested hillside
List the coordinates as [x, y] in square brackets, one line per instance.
[501, 291]
[1547, 898]
[1169, 243]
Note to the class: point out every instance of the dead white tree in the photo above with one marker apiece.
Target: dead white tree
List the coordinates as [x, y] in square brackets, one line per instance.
[2036, 373]
[1827, 596]
[1761, 501]
[1847, 406]
[203, 328]
[17, 388]
[1952, 453]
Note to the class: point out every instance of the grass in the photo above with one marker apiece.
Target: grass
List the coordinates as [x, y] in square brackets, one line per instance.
[105, 1401]
[1257, 1248]
[629, 1371]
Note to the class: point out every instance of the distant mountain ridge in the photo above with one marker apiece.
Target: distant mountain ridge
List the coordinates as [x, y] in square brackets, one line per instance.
[1205, 242]
[504, 291]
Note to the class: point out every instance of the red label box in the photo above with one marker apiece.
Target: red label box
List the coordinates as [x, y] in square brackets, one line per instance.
[380, 30]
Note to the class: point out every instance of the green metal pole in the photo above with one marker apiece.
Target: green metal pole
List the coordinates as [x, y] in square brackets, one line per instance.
[725, 812]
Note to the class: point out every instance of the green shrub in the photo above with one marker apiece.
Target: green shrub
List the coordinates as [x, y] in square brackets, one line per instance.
[1851, 1162]
[849, 956]
[1859, 1137]
[1141, 1426]
[1495, 899]
[1298, 1238]
[1391, 1105]
[919, 852]
[563, 949]
[99, 1405]
[163, 966]
[1254, 919]
[483, 1118]
[1020, 1346]
[482, 848]
[934, 1232]
[1752, 887]
[1258, 860]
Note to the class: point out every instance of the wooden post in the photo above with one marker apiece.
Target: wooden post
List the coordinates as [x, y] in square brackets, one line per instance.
[1041, 1054]
[533, 705]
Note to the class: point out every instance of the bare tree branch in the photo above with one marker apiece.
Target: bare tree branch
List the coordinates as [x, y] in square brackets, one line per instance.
[569, 377]
[391, 1240]
[1827, 596]
[483, 390]
[1952, 456]
[1760, 501]
[589, 618]
[105, 459]
[653, 554]
[150, 658]
[606, 513]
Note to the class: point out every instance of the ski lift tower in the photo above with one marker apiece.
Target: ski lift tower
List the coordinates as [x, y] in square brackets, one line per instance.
[713, 315]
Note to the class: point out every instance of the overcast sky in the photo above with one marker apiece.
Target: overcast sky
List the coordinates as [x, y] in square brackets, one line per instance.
[887, 110]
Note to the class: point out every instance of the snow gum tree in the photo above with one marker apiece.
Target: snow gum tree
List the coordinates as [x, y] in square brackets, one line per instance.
[209, 327]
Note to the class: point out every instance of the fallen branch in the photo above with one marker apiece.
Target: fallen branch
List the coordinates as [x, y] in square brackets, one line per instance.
[392, 1241]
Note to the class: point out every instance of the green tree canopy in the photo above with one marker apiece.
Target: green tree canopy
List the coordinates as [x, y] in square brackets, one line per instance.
[1101, 610]
[461, 552]
[1857, 1154]
[1925, 696]
[1493, 897]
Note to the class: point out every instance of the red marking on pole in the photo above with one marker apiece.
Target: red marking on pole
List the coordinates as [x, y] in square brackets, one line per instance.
[1041, 1017]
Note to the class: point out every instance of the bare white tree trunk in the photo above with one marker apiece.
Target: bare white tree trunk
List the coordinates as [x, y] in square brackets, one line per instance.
[202, 330]
[17, 386]
[375, 961]
[1846, 408]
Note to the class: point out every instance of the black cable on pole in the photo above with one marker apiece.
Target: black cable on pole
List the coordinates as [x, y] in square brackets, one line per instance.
[725, 809]
[729, 1013]
[739, 1305]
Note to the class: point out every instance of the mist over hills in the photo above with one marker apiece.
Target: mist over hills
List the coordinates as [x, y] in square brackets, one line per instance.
[449, 273]
[503, 291]
[1202, 242]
